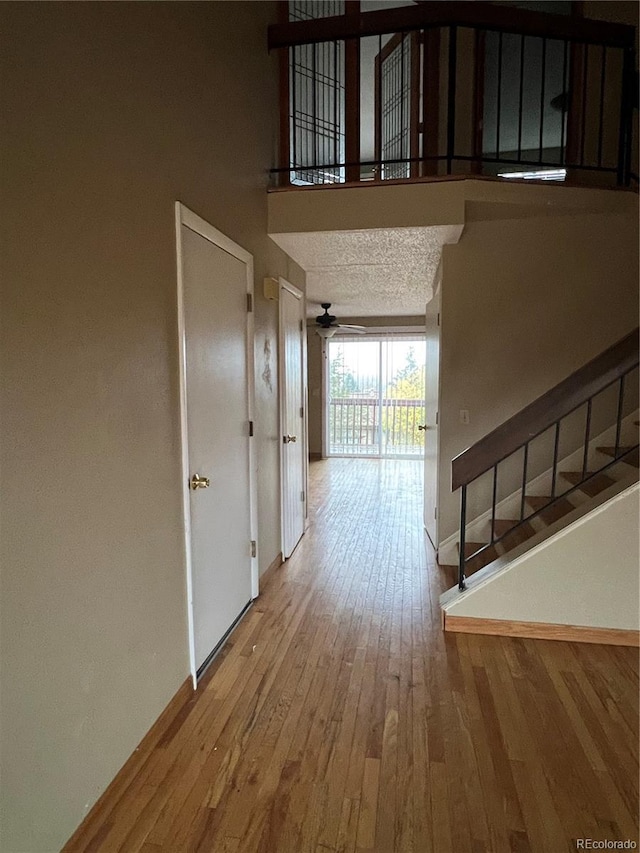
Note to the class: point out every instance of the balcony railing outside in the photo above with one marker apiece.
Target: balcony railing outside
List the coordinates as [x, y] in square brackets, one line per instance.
[368, 426]
[458, 89]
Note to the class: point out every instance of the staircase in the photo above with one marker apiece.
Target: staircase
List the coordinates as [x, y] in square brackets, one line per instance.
[510, 533]
[594, 416]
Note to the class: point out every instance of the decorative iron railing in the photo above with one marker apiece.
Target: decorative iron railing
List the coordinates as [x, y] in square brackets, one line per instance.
[370, 426]
[459, 88]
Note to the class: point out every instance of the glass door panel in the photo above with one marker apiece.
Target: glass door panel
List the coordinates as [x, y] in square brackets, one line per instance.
[376, 396]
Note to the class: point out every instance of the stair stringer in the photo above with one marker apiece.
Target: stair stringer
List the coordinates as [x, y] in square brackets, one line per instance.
[478, 528]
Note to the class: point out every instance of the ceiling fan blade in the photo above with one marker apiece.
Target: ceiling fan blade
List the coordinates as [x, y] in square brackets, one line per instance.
[350, 330]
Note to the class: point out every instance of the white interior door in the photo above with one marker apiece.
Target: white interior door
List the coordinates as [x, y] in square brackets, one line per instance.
[214, 276]
[292, 415]
[432, 383]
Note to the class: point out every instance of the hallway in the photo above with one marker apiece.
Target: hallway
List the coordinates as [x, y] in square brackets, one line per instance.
[340, 718]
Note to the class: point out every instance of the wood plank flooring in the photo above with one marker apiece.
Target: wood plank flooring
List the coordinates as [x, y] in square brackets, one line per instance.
[339, 717]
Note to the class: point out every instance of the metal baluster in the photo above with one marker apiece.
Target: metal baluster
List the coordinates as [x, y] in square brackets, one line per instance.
[585, 459]
[401, 149]
[380, 114]
[524, 480]
[314, 124]
[601, 125]
[564, 103]
[522, 38]
[336, 87]
[554, 470]
[499, 102]
[493, 503]
[619, 416]
[585, 70]
[451, 105]
[463, 523]
[626, 117]
[292, 109]
[324, 116]
[542, 87]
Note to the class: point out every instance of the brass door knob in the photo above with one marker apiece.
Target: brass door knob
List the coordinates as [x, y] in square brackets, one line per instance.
[289, 438]
[198, 482]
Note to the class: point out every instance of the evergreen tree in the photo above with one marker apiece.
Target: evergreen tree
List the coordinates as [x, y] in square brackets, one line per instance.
[342, 382]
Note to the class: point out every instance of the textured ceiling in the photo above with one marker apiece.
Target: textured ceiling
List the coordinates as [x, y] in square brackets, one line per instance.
[369, 273]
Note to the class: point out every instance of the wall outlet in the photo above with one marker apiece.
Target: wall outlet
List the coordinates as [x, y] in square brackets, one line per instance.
[464, 416]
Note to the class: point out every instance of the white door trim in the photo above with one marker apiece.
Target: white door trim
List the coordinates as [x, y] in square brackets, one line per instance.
[285, 285]
[186, 217]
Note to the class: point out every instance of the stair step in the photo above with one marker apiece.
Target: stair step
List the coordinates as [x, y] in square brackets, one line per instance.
[598, 483]
[633, 457]
[520, 534]
[503, 525]
[549, 513]
[481, 560]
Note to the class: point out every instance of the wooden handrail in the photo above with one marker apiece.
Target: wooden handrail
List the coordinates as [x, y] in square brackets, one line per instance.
[462, 13]
[538, 416]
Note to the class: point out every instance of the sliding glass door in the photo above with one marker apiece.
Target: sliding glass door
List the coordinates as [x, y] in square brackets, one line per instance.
[375, 398]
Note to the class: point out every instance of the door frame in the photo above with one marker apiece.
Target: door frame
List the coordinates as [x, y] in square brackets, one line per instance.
[434, 307]
[286, 285]
[186, 217]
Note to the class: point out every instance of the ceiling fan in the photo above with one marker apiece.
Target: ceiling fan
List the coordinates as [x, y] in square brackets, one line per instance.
[326, 325]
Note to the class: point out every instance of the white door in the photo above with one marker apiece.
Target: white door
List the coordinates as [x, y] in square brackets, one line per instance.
[214, 277]
[292, 415]
[432, 381]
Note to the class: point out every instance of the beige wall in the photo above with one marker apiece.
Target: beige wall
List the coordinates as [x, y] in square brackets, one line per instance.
[315, 355]
[581, 576]
[111, 112]
[524, 304]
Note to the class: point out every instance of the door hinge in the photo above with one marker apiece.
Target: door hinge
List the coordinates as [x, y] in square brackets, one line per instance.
[250, 429]
[438, 322]
[435, 512]
[301, 411]
[253, 548]
[301, 326]
[302, 496]
[249, 302]
[437, 413]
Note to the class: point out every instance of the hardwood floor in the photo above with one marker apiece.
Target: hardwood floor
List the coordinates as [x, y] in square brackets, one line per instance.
[339, 717]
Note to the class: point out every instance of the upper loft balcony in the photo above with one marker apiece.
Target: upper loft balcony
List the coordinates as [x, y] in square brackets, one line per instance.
[405, 91]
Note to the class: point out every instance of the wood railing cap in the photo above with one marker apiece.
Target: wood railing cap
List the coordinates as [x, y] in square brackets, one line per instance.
[538, 416]
[462, 13]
